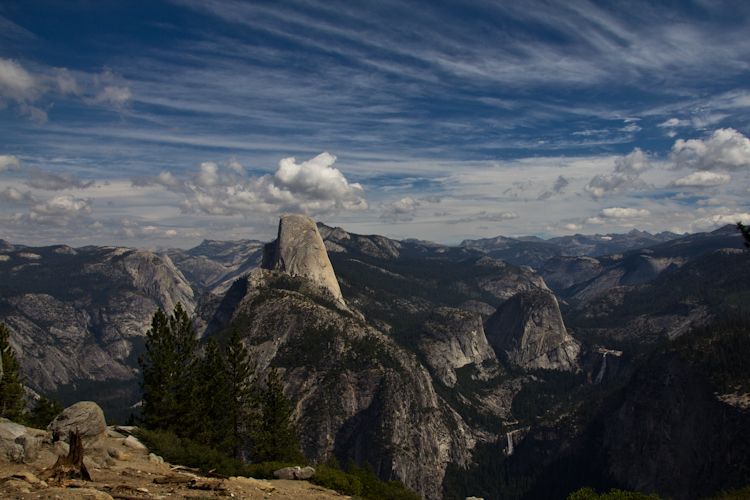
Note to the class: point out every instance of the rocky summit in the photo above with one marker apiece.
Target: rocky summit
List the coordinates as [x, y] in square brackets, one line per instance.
[299, 251]
[528, 330]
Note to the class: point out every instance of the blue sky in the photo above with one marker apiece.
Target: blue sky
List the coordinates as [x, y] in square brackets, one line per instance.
[167, 122]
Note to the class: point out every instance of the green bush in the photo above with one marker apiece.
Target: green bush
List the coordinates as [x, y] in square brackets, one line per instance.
[614, 494]
[742, 494]
[337, 480]
[183, 451]
[359, 481]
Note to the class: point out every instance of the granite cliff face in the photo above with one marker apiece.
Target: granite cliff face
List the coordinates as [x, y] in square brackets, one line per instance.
[299, 251]
[528, 330]
[358, 395]
[90, 326]
[453, 338]
[562, 272]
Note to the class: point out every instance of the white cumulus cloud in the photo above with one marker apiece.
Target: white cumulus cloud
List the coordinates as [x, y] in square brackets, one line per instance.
[15, 197]
[16, 83]
[404, 206]
[701, 179]
[59, 210]
[625, 176]
[9, 162]
[717, 220]
[313, 187]
[725, 149]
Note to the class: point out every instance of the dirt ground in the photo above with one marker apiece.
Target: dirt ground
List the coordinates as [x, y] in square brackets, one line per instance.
[133, 477]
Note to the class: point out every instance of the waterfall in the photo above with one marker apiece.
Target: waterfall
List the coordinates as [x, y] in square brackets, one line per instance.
[602, 370]
[510, 443]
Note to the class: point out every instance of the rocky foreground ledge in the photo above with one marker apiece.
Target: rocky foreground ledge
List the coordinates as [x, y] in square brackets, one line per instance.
[121, 467]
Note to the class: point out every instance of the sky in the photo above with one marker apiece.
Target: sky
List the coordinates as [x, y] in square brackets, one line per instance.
[163, 123]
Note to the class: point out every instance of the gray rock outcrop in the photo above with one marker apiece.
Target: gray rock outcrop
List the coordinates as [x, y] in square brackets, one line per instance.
[511, 279]
[299, 251]
[453, 338]
[528, 330]
[294, 473]
[16, 444]
[85, 417]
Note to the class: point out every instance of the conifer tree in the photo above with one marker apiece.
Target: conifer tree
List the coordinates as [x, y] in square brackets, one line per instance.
[745, 230]
[12, 398]
[242, 394]
[168, 367]
[44, 411]
[211, 401]
[276, 438]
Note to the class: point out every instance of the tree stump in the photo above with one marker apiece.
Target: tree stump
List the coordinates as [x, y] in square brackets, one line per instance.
[71, 466]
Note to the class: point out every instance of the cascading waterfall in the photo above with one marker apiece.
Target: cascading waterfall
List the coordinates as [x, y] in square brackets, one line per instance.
[510, 443]
[602, 370]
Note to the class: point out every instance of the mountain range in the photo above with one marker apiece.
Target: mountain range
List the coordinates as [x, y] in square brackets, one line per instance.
[433, 363]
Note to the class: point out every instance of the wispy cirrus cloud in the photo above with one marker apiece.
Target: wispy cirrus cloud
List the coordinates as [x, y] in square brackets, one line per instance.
[484, 216]
[51, 181]
[32, 91]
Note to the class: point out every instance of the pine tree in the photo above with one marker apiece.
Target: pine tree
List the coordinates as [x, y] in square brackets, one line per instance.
[12, 392]
[276, 438]
[745, 230]
[168, 367]
[209, 421]
[242, 394]
[44, 411]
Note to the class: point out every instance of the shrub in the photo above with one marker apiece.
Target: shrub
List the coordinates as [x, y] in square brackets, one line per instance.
[337, 480]
[614, 494]
[186, 452]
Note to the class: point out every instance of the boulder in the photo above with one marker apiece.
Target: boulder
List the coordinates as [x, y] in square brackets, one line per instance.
[132, 442]
[11, 450]
[31, 446]
[11, 429]
[118, 454]
[294, 473]
[86, 417]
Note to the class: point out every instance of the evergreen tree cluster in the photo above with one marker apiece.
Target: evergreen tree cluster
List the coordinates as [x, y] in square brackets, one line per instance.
[12, 398]
[12, 392]
[214, 400]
